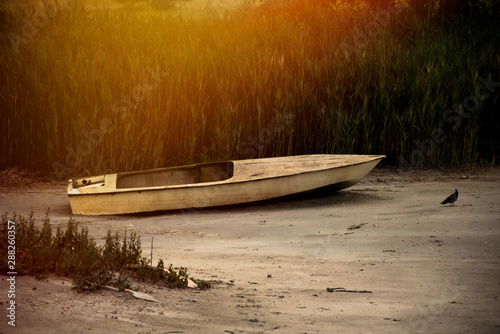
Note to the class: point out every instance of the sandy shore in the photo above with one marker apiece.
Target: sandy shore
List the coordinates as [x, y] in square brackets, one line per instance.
[413, 267]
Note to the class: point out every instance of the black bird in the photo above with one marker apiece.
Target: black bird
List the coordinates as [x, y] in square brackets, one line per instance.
[451, 199]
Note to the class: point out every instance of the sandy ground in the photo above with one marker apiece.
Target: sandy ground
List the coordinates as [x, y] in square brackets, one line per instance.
[424, 268]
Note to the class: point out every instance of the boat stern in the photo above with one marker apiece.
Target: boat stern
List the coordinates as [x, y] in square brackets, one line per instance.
[82, 192]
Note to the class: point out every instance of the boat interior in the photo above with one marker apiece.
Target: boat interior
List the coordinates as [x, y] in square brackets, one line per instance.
[202, 173]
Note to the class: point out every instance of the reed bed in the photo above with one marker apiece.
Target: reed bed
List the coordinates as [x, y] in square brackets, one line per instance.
[92, 90]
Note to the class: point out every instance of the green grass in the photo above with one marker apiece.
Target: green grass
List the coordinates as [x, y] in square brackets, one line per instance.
[69, 252]
[37, 251]
[111, 89]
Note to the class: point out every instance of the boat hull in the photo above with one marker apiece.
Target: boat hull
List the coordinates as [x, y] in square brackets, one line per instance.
[230, 191]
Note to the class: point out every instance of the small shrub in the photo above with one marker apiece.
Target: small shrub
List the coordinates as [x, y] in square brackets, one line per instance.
[203, 285]
[123, 281]
[73, 253]
[70, 252]
[172, 277]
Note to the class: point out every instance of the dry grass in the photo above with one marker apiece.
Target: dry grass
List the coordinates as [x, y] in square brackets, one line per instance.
[111, 89]
[15, 178]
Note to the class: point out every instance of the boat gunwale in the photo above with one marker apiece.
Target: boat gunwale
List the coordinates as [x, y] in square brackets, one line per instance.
[116, 191]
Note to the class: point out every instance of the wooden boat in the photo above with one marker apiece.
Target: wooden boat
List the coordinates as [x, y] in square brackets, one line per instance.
[215, 184]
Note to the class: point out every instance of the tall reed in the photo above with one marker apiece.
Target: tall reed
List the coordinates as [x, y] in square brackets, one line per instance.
[99, 90]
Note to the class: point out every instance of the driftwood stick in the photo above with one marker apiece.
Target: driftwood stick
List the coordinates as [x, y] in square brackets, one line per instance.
[344, 290]
[151, 250]
[353, 227]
